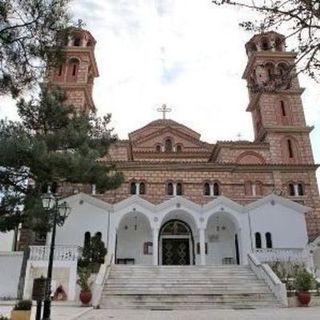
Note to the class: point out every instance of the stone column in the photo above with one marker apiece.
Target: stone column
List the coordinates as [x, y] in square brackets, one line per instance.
[137, 188]
[202, 247]
[155, 249]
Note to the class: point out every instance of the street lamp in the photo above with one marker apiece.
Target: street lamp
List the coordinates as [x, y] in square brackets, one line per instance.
[57, 213]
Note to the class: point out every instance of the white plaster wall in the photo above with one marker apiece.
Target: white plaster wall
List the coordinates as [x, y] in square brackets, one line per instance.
[287, 226]
[83, 217]
[64, 273]
[6, 241]
[224, 246]
[130, 241]
[10, 267]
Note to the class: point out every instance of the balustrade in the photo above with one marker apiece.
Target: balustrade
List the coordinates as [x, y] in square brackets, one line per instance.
[61, 253]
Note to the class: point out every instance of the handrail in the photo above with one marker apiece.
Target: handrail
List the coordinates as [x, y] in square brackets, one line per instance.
[264, 272]
[102, 275]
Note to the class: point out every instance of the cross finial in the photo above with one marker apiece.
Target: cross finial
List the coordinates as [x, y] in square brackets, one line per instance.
[164, 109]
[239, 135]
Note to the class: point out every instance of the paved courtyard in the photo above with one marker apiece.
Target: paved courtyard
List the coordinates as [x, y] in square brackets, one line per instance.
[266, 314]
[73, 313]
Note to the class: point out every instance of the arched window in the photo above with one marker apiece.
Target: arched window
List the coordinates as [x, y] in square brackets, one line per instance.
[248, 188]
[278, 44]
[270, 70]
[87, 239]
[77, 42]
[283, 108]
[258, 185]
[268, 240]
[290, 150]
[179, 148]
[206, 189]
[133, 188]
[89, 43]
[264, 44]
[216, 189]
[98, 235]
[158, 148]
[142, 188]
[258, 240]
[291, 189]
[168, 145]
[60, 71]
[73, 68]
[179, 189]
[170, 189]
[300, 189]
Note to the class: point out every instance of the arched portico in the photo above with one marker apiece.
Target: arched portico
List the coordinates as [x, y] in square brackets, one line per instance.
[223, 239]
[177, 238]
[134, 240]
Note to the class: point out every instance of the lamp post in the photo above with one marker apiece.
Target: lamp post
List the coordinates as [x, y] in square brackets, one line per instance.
[58, 213]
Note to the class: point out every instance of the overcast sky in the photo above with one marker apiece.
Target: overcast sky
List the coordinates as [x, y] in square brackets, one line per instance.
[188, 54]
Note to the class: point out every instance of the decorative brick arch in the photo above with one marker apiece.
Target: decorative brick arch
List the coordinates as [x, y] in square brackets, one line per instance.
[250, 157]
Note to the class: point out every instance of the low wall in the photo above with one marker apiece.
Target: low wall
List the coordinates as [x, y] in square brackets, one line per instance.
[64, 273]
[10, 267]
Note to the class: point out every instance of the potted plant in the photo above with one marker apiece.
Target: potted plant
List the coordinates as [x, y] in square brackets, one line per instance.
[83, 282]
[22, 310]
[303, 283]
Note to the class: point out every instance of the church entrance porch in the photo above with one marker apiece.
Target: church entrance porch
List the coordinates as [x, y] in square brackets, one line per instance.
[176, 243]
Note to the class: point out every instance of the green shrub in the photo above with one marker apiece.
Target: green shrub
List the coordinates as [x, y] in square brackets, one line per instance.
[3, 317]
[304, 281]
[23, 305]
[83, 280]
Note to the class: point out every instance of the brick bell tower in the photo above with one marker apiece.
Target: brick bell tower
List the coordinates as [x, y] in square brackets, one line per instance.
[278, 119]
[76, 75]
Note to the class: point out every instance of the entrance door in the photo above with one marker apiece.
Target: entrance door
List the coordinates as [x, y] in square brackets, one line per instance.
[175, 252]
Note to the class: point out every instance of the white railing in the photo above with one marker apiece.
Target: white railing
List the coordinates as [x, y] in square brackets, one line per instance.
[99, 282]
[61, 253]
[264, 272]
[282, 255]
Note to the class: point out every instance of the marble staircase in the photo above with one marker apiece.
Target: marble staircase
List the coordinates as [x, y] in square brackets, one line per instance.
[184, 287]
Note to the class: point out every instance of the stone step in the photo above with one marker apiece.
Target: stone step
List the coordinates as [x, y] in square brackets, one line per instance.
[184, 287]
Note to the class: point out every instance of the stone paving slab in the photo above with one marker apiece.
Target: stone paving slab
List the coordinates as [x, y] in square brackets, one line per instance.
[58, 313]
[260, 314]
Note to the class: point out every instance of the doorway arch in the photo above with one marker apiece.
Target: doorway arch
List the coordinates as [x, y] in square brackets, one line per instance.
[176, 243]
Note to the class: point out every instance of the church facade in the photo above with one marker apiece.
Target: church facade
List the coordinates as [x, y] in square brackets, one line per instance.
[187, 201]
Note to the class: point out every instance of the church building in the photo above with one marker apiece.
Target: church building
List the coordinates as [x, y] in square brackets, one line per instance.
[185, 201]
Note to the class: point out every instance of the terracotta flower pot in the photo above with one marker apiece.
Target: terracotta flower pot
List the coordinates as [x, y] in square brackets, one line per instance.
[304, 298]
[85, 296]
[20, 314]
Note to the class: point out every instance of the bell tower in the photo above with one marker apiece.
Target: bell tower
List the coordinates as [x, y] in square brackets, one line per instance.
[76, 75]
[275, 100]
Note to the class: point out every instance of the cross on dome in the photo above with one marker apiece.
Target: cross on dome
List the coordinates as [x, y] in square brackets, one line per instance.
[164, 109]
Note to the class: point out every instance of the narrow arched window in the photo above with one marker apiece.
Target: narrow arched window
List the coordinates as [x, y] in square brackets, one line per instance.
[99, 235]
[206, 189]
[158, 148]
[258, 240]
[60, 71]
[300, 189]
[283, 108]
[87, 239]
[268, 240]
[77, 42]
[168, 145]
[178, 148]
[133, 188]
[258, 186]
[142, 188]
[170, 189]
[265, 45]
[291, 189]
[216, 189]
[179, 189]
[73, 68]
[290, 150]
[248, 188]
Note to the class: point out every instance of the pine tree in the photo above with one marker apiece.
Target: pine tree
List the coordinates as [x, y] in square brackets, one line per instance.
[51, 144]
